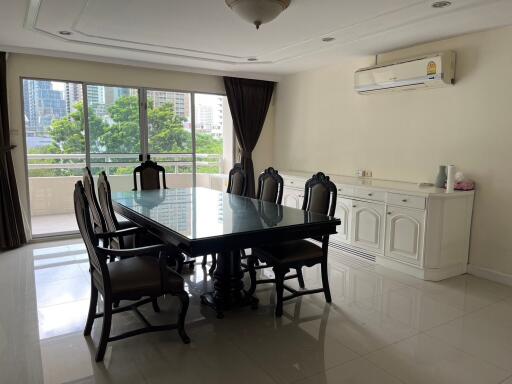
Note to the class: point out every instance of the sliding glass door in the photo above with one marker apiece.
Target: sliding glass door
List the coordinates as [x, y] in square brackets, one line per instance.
[114, 133]
[69, 125]
[169, 135]
[56, 152]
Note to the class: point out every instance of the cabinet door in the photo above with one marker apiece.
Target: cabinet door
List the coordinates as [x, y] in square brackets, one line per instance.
[293, 197]
[367, 230]
[344, 213]
[404, 234]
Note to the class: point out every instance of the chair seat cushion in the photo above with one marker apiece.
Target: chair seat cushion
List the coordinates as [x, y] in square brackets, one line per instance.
[289, 252]
[140, 276]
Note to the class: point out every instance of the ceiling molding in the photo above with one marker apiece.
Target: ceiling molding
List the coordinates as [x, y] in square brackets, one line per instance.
[136, 63]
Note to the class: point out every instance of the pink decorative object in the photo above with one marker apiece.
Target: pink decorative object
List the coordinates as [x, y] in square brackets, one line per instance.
[466, 185]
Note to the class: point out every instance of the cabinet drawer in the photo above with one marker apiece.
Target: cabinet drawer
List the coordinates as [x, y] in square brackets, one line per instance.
[406, 200]
[345, 190]
[370, 194]
[294, 183]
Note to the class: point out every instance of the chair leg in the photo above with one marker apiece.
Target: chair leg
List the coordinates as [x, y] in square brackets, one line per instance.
[214, 264]
[325, 281]
[179, 263]
[92, 310]
[105, 330]
[279, 276]
[300, 277]
[251, 260]
[154, 302]
[203, 263]
[183, 296]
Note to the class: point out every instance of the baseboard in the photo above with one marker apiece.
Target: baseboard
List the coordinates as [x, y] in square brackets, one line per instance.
[490, 274]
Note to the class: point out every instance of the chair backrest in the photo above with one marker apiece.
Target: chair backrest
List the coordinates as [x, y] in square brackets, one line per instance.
[270, 186]
[105, 198]
[149, 174]
[320, 195]
[98, 221]
[98, 264]
[237, 182]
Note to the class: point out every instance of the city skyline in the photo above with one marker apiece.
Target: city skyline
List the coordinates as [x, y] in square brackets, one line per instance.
[46, 101]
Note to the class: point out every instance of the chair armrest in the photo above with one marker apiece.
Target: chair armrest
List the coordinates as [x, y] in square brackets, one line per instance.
[121, 232]
[130, 252]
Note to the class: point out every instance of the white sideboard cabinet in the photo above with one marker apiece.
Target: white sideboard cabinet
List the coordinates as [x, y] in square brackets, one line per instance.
[422, 231]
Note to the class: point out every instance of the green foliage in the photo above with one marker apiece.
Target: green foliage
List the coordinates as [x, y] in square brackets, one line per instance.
[119, 132]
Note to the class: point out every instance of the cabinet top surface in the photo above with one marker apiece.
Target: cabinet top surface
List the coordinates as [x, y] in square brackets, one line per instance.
[386, 185]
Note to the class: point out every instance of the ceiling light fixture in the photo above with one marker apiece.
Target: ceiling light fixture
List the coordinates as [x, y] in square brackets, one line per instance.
[328, 39]
[258, 12]
[65, 33]
[441, 4]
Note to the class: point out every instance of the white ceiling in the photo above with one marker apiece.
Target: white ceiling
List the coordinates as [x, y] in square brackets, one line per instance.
[205, 35]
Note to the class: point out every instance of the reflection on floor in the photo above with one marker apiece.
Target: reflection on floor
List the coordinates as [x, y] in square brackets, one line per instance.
[382, 327]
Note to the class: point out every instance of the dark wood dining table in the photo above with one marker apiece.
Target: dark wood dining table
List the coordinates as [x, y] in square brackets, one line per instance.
[201, 221]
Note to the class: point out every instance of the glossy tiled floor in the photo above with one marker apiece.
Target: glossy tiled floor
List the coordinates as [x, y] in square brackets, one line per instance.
[382, 327]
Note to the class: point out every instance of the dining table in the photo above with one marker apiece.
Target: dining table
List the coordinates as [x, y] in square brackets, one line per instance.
[199, 221]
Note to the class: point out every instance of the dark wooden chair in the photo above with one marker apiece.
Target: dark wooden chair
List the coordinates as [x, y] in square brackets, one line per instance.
[149, 175]
[141, 276]
[98, 221]
[270, 186]
[126, 240]
[319, 197]
[237, 180]
[270, 189]
[237, 184]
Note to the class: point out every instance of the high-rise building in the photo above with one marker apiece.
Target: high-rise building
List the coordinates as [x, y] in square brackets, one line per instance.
[179, 100]
[72, 95]
[210, 114]
[114, 93]
[42, 104]
[96, 99]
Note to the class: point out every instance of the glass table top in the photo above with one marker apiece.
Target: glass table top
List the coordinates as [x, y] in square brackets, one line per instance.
[198, 213]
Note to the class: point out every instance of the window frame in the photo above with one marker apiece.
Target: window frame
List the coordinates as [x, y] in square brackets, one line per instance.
[143, 127]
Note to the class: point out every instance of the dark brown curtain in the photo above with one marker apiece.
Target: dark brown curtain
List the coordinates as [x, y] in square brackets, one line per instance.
[12, 233]
[249, 101]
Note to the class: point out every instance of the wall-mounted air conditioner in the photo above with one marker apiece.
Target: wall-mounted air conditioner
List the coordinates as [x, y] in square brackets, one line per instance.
[428, 71]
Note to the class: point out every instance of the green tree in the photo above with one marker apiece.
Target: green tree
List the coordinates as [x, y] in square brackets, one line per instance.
[119, 132]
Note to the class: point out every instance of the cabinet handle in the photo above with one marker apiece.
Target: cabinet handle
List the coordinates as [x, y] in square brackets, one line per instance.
[370, 194]
[404, 200]
[354, 206]
[301, 196]
[389, 213]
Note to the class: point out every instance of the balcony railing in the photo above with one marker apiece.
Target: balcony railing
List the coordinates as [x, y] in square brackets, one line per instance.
[113, 164]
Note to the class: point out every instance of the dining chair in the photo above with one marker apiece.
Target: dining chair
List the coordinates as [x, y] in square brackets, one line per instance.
[141, 276]
[149, 175]
[319, 197]
[237, 180]
[98, 221]
[237, 185]
[270, 189]
[134, 238]
[270, 186]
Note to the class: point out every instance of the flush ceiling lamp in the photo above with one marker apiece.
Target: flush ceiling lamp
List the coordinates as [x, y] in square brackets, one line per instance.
[258, 12]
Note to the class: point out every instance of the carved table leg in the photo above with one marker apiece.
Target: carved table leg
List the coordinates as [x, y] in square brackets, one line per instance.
[228, 285]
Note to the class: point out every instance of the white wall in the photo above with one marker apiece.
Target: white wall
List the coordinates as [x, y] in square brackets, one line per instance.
[21, 65]
[322, 124]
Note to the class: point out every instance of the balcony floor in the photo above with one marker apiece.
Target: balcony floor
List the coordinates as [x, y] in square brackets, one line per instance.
[53, 224]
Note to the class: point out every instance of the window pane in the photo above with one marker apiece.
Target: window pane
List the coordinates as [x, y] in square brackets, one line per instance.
[114, 132]
[214, 135]
[170, 135]
[54, 128]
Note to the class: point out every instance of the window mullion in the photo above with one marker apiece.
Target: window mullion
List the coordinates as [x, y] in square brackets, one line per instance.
[143, 122]
[193, 131]
[87, 135]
